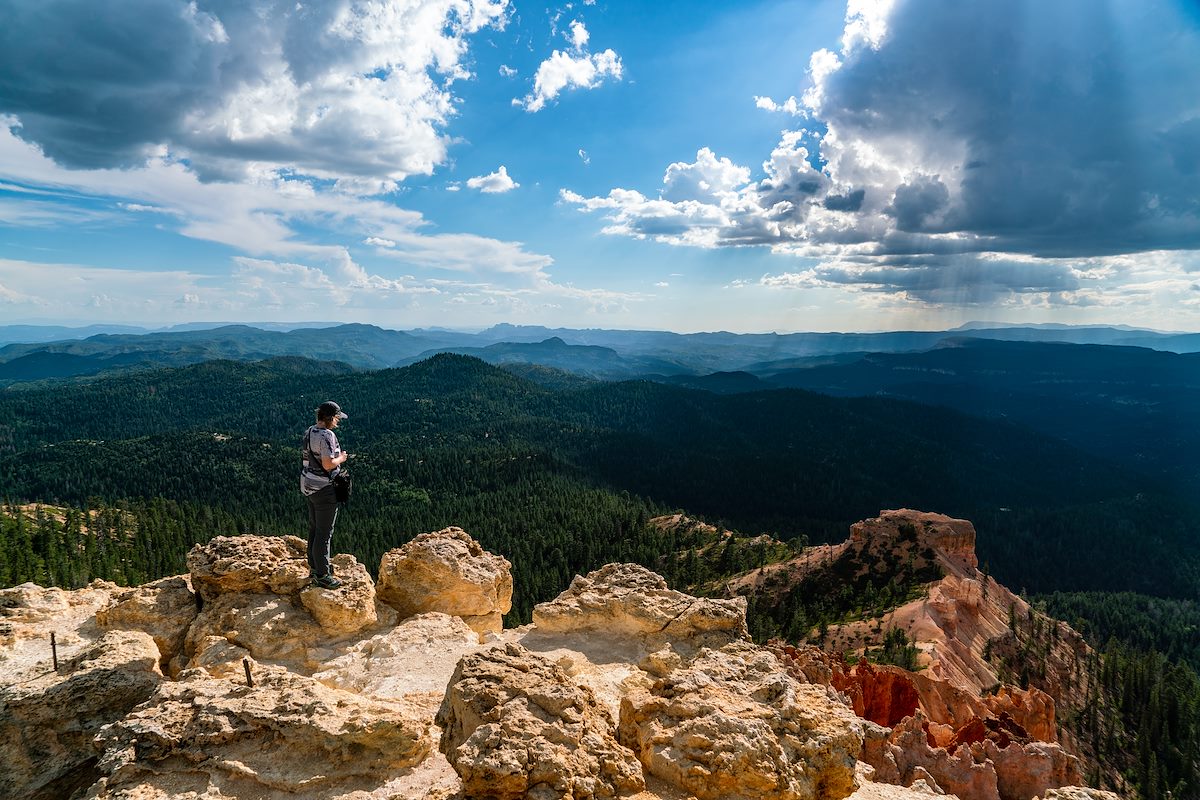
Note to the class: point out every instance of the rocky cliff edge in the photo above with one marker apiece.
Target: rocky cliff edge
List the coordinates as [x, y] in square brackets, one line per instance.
[241, 680]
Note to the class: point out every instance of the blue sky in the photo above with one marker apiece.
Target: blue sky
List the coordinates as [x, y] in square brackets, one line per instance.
[785, 166]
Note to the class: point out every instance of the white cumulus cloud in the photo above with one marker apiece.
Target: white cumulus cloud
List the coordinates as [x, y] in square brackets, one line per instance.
[576, 69]
[579, 35]
[496, 182]
[354, 91]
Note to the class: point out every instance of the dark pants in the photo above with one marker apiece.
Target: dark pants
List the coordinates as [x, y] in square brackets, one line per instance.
[322, 516]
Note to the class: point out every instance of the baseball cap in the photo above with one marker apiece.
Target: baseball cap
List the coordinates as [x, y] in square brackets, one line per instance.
[330, 409]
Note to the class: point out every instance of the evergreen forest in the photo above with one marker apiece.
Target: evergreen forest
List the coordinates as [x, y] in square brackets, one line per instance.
[116, 477]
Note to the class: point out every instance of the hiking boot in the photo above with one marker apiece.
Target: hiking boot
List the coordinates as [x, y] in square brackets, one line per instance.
[326, 582]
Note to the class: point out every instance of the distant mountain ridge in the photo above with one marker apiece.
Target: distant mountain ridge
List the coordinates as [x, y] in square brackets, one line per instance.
[622, 354]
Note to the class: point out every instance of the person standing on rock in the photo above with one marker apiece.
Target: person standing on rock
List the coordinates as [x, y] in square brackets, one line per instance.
[322, 459]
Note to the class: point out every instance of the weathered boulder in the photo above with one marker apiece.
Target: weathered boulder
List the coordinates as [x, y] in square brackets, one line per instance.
[732, 724]
[249, 565]
[29, 613]
[806, 663]
[448, 572]
[919, 790]
[348, 609]
[287, 736]
[257, 596]
[628, 600]
[47, 723]
[29, 603]
[516, 726]
[1026, 770]
[164, 609]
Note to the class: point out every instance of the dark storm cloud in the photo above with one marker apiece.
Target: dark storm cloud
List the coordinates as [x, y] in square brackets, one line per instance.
[968, 129]
[332, 88]
[1057, 127]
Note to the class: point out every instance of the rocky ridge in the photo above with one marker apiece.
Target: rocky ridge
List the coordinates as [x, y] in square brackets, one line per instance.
[241, 680]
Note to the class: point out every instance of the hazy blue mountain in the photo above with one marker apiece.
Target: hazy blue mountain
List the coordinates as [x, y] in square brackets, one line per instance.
[363, 346]
[41, 365]
[1137, 405]
[587, 360]
[591, 353]
[54, 333]
[1176, 343]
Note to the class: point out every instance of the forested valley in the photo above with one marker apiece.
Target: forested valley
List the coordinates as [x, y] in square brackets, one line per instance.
[117, 477]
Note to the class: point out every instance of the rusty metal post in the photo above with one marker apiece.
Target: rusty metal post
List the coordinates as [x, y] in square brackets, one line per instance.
[54, 650]
[249, 678]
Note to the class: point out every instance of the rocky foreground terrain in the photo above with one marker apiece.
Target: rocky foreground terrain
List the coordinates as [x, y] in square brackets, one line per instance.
[240, 680]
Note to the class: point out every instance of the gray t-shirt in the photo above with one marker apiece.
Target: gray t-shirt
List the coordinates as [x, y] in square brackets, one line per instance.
[318, 442]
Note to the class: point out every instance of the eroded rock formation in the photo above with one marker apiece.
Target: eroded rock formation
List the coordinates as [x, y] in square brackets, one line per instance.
[286, 735]
[732, 724]
[47, 723]
[164, 609]
[447, 572]
[628, 600]
[621, 687]
[515, 725]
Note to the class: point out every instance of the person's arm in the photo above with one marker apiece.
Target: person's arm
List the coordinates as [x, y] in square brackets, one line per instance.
[328, 460]
[329, 463]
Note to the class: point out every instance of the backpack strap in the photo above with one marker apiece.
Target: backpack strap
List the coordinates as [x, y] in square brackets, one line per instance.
[313, 465]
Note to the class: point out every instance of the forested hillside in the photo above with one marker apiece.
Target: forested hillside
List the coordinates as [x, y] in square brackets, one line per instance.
[562, 480]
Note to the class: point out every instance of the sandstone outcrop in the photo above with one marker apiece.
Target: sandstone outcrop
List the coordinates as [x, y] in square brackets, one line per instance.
[955, 741]
[47, 723]
[348, 609]
[1030, 708]
[30, 613]
[884, 695]
[249, 565]
[348, 696]
[258, 601]
[732, 725]
[953, 538]
[628, 600]
[269, 627]
[516, 726]
[979, 770]
[287, 736]
[164, 609]
[448, 572]
[1078, 793]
